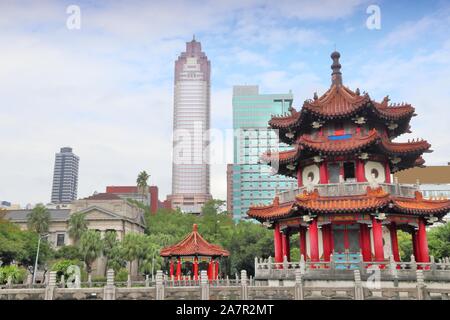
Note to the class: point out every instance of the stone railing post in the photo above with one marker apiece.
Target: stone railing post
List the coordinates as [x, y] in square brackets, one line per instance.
[269, 264]
[204, 285]
[29, 280]
[359, 291]
[228, 281]
[9, 282]
[109, 291]
[298, 293]
[49, 290]
[285, 263]
[332, 263]
[147, 281]
[129, 281]
[420, 285]
[392, 266]
[256, 264]
[159, 285]
[89, 280]
[302, 264]
[62, 281]
[244, 285]
[413, 263]
[433, 265]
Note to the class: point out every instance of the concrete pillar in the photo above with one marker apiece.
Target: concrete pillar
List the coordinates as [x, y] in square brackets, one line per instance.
[244, 285]
[204, 285]
[298, 293]
[159, 285]
[49, 290]
[359, 291]
[109, 291]
[420, 285]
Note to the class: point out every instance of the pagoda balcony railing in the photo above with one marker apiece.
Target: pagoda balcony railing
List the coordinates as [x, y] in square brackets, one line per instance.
[266, 269]
[349, 189]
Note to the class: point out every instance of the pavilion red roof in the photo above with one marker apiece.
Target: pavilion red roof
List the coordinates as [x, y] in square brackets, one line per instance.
[372, 200]
[194, 245]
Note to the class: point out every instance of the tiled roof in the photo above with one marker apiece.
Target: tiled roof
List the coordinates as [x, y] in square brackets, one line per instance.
[281, 157]
[355, 142]
[392, 111]
[338, 101]
[415, 146]
[194, 245]
[419, 205]
[273, 210]
[371, 201]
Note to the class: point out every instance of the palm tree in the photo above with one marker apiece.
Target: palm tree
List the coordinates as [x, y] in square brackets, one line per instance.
[132, 248]
[90, 248]
[77, 226]
[39, 219]
[110, 243]
[142, 185]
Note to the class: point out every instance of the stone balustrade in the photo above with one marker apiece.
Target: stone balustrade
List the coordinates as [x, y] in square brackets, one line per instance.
[355, 286]
[349, 188]
[267, 269]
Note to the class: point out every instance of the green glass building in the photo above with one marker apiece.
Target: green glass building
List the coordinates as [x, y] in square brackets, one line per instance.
[252, 182]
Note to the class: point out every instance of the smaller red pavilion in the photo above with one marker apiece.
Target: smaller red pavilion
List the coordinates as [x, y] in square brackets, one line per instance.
[195, 249]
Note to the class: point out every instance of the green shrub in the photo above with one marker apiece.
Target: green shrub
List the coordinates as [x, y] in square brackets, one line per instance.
[18, 274]
[122, 275]
[61, 267]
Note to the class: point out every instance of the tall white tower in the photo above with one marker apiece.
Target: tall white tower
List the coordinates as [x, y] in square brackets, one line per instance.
[190, 166]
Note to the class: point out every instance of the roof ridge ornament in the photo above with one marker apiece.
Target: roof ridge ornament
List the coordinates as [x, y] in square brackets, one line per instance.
[336, 75]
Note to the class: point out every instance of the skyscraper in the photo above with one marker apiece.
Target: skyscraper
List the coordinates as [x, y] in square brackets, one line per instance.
[253, 182]
[190, 164]
[65, 176]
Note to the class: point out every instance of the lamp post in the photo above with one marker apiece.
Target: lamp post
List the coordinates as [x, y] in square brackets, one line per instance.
[37, 256]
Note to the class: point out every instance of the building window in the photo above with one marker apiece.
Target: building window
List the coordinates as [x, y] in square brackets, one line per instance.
[60, 239]
[349, 170]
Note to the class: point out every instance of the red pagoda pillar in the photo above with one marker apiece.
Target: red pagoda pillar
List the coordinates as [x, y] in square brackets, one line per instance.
[360, 175]
[277, 243]
[179, 268]
[196, 268]
[377, 232]
[171, 268]
[302, 238]
[326, 239]
[285, 245]
[366, 250]
[422, 242]
[314, 240]
[217, 270]
[323, 173]
[387, 172]
[415, 246]
[210, 271]
[394, 242]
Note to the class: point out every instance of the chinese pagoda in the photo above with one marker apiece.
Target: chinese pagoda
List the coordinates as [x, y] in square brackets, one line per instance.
[343, 154]
[192, 249]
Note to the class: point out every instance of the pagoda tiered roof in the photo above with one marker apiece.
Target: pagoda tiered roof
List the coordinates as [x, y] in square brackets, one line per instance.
[408, 153]
[194, 245]
[339, 102]
[374, 199]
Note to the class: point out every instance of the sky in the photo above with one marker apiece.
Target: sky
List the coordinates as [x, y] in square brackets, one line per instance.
[106, 89]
